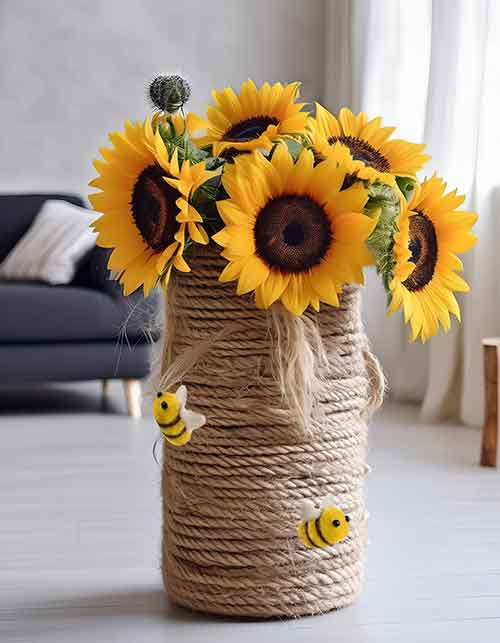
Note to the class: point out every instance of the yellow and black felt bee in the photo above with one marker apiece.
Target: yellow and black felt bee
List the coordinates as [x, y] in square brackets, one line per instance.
[176, 422]
[322, 528]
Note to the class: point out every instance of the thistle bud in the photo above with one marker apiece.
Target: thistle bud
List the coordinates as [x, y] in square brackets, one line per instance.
[169, 93]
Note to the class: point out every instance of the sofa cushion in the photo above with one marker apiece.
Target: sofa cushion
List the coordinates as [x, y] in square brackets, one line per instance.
[17, 212]
[32, 312]
[54, 245]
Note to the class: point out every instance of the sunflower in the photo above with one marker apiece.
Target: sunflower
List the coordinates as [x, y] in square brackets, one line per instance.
[291, 232]
[147, 217]
[376, 157]
[431, 234]
[254, 118]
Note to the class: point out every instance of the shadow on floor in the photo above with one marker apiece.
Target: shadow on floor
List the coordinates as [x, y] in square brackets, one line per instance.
[150, 604]
[38, 399]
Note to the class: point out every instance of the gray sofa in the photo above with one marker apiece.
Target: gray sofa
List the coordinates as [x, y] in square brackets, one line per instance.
[86, 330]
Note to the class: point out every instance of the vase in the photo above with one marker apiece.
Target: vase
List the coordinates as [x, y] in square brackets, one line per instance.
[232, 496]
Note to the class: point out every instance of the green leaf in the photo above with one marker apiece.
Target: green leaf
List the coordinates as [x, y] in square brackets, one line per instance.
[406, 185]
[204, 199]
[386, 201]
[214, 162]
[186, 149]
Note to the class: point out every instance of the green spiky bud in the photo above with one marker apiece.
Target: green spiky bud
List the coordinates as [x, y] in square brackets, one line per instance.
[169, 93]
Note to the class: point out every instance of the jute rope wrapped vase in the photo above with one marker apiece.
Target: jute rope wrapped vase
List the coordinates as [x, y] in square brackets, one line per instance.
[287, 401]
[297, 205]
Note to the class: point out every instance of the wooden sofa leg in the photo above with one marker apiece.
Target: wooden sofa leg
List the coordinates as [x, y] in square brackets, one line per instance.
[489, 446]
[133, 395]
[105, 387]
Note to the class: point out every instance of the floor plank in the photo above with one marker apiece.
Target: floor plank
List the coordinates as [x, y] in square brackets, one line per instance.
[80, 530]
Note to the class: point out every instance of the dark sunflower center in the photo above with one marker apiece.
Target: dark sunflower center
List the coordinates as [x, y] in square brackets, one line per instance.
[424, 251]
[154, 209]
[292, 233]
[415, 247]
[363, 151]
[249, 129]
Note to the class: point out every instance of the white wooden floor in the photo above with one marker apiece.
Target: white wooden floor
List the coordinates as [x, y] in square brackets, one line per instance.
[80, 525]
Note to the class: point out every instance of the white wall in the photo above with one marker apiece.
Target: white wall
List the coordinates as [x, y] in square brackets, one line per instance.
[71, 70]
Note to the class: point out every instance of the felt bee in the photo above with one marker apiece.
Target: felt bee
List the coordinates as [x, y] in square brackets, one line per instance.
[324, 528]
[176, 422]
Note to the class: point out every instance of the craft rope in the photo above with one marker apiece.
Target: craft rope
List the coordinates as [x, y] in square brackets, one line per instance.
[231, 496]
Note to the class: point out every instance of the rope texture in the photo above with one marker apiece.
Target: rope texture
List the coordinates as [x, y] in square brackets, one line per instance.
[231, 496]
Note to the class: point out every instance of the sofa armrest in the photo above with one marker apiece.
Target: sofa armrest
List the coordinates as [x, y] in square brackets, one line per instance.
[94, 273]
[140, 314]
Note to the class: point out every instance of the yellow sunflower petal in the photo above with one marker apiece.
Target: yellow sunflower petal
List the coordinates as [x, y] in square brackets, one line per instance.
[324, 287]
[222, 237]
[295, 298]
[181, 264]
[232, 270]
[195, 123]
[187, 212]
[351, 200]
[135, 274]
[197, 233]
[273, 287]
[348, 122]
[241, 241]
[165, 256]
[300, 176]
[253, 273]
[282, 160]
[230, 213]
[405, 159]
[350, 227]
[375, 134]
[327, 123]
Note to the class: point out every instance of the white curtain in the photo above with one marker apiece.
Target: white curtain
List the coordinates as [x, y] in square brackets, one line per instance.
[432, 68]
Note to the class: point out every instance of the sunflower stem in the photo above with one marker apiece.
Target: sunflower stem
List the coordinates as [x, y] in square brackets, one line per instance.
[185, 134]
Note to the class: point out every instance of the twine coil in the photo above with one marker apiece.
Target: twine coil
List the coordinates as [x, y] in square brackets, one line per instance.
[231, 496]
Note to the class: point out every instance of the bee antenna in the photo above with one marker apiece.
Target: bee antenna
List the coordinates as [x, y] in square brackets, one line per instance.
[155, 446]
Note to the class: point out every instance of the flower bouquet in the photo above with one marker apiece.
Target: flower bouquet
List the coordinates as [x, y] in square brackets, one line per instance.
[265, 388]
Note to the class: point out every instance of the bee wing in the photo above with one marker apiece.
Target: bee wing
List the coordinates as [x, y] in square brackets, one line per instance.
[192, 420]
[181, 394]
[328, 501]
[308, 510]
